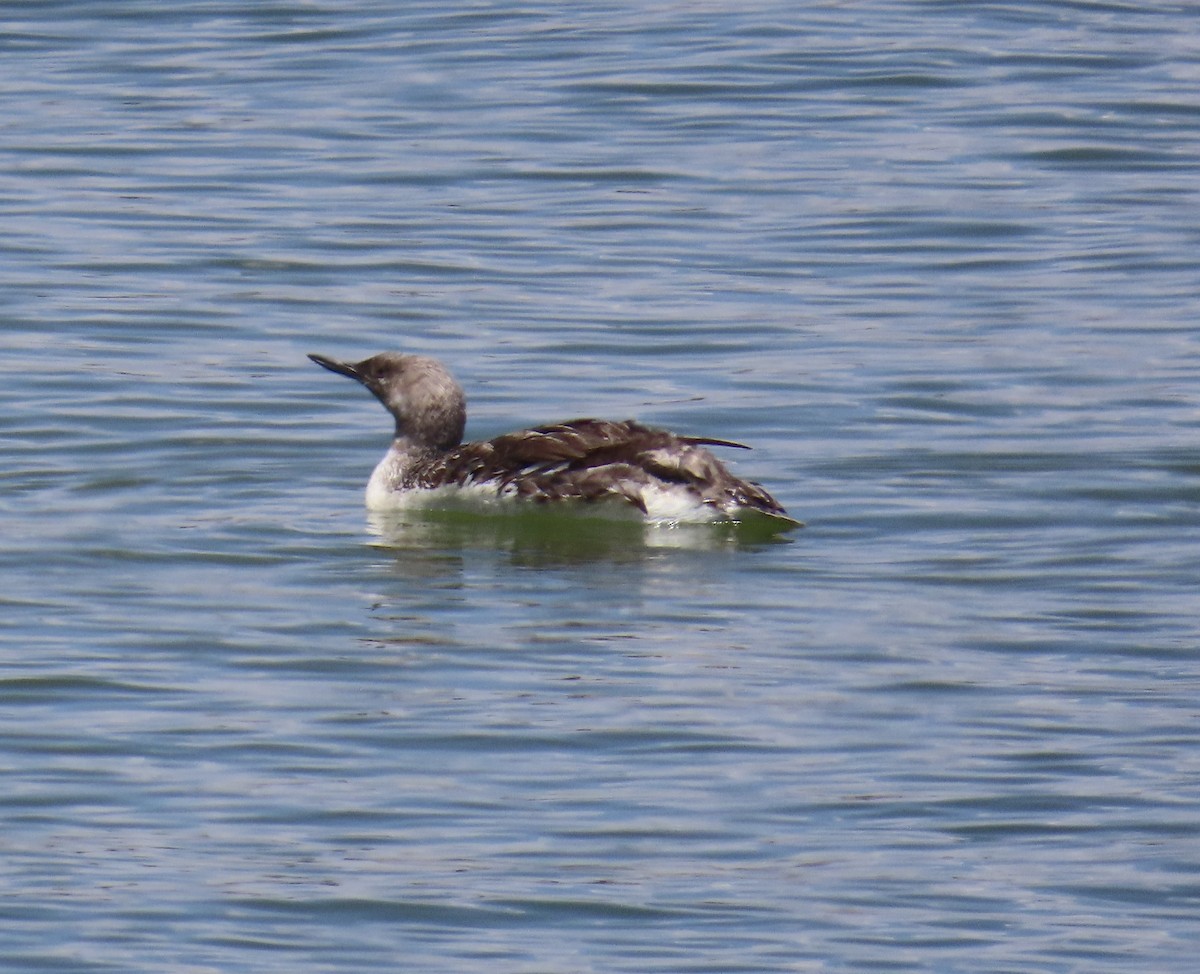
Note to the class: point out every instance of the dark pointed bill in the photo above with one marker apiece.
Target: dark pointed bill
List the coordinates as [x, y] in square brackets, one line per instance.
[333, 365]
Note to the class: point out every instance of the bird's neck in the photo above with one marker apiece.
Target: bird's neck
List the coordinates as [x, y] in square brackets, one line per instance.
[398, 466]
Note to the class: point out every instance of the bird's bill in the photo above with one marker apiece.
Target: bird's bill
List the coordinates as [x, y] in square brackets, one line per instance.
[341, 368]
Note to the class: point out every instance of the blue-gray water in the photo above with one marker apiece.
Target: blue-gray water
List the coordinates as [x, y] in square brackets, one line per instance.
[936, 261]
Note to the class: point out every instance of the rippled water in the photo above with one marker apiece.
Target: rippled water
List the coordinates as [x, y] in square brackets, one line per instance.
[935, 261]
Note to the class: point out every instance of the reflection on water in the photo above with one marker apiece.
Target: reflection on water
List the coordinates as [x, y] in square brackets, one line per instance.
[548, 537]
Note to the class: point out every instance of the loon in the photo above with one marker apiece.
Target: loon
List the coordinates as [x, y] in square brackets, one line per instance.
[661, 476]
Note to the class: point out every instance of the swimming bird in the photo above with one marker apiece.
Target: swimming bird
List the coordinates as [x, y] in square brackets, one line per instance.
[663, 476]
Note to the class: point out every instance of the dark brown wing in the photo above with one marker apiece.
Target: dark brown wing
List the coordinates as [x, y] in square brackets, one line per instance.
[591, 459]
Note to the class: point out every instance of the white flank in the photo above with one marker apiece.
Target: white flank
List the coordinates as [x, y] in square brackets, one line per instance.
[664, 505]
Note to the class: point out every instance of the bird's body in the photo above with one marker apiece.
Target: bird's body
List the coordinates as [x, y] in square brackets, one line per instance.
[618, 466]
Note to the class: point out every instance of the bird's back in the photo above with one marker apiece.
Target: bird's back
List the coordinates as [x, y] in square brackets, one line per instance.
[658, 472]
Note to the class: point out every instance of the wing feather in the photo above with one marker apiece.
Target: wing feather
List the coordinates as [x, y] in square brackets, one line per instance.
[590, 459]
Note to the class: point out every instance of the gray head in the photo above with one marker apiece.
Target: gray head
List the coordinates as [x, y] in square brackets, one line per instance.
[429, 406]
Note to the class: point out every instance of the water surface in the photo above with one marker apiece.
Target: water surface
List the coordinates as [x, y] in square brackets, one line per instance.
[935, 262]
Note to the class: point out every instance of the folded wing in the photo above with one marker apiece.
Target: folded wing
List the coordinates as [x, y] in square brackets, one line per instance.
[592, 460]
